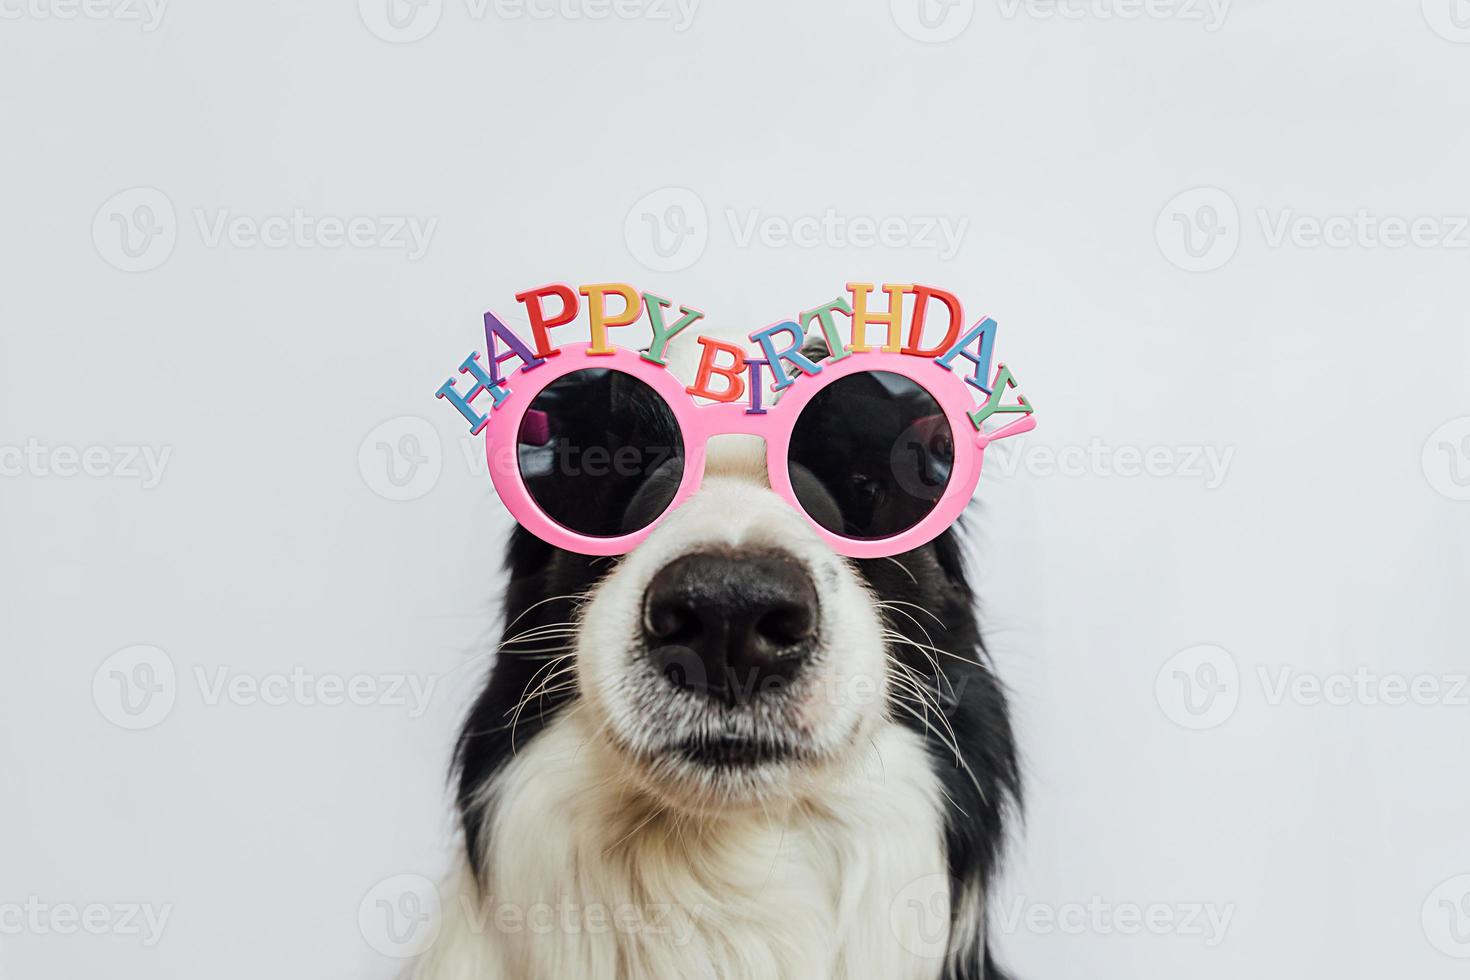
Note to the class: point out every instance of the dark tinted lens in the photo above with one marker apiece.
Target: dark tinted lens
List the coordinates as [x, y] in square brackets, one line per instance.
[871, 455]
[600, 452]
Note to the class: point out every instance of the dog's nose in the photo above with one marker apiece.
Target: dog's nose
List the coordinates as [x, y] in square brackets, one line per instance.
[730, 625]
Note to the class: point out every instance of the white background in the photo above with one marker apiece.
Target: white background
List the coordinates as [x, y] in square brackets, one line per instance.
[1133, 616]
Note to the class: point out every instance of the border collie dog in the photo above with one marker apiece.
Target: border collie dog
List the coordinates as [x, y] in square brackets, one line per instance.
[730, 753]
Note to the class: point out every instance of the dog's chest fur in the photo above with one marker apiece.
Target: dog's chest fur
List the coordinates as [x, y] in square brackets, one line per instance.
[583, 879]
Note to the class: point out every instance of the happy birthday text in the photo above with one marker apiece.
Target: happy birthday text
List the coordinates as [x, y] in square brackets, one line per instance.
[725, 367]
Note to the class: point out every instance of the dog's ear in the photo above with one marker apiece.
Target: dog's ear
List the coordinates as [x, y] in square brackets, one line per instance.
[815, 345]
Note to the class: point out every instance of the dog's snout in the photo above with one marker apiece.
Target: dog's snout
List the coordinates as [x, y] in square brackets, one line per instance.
[730, 625]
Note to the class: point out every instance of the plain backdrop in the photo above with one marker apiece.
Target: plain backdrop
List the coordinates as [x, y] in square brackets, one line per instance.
[1239, 690]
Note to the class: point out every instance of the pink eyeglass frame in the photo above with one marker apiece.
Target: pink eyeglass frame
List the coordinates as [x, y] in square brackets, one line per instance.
[699, 423]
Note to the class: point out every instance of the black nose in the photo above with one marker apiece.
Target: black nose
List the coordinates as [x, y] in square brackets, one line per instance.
[730, 625]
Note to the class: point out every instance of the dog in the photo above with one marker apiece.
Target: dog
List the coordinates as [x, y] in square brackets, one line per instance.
[730, 753]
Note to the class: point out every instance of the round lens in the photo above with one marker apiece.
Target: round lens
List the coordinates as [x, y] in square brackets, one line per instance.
[600, 452]
[871, 455]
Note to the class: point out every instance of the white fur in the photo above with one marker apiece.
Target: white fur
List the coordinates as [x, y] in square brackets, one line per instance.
[811, 890]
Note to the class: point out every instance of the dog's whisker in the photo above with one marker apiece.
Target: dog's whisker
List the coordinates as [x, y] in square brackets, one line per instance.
[902, 567]
[887, 607]
[539, 633]
[540, 653]
[922, 699]
[958, 757]
[939, 675]
[917, 625]
[554, 672]
[575, 598]
[920, 692]
[914, 605]
[933, 649]
[918, 689]
[645, 822]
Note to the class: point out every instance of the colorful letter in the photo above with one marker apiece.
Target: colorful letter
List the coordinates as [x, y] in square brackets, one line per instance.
[483, 382]
[540, 325]
[861, 317]
[916, 325]
[496, 328]
[985, 332]
[755, 364]
[597, 317]
[823, 315]
[735, 385]
[1003, 380]
[766, 338]
[661, 334]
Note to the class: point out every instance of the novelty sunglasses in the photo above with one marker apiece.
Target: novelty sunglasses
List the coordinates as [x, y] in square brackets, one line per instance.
[880, 450]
